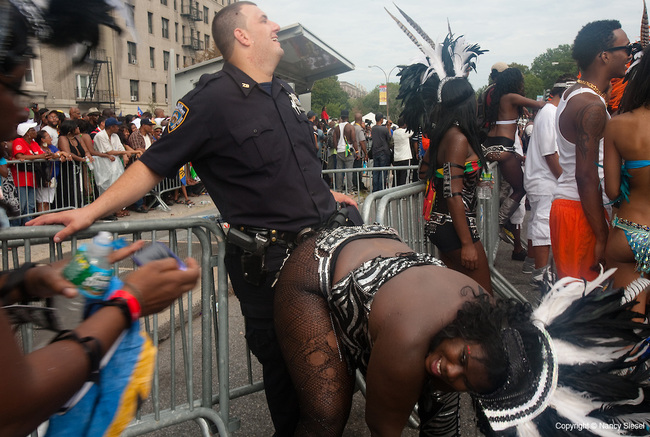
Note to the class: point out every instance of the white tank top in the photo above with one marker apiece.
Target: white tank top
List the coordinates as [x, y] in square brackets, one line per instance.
[567, 187]
[340, 147]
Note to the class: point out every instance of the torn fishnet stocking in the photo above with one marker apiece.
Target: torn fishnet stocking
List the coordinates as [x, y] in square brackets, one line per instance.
[309, 345]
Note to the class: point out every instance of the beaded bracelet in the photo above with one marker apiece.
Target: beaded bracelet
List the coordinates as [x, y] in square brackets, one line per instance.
[91, 346]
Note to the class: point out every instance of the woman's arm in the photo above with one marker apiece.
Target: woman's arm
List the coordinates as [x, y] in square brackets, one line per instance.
[395, 378]
[87, 144]
[43, 380]
[455, 148]
[522, 101]
[612, 161]
[23, 157]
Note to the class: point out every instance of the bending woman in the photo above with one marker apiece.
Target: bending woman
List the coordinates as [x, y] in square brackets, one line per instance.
[506, 103]
[452, 164]
[358, 298]
[627, 177]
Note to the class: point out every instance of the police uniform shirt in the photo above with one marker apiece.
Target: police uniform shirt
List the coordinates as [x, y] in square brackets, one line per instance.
[253, 151]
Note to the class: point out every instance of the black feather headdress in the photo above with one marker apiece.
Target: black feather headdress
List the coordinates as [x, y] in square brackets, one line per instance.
[593, 375]
[421, 82]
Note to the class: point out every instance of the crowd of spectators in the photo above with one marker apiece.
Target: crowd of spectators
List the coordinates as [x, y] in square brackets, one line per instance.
[67, 159]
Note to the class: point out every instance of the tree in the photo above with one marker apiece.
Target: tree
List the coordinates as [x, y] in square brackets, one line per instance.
[553, 63]
[328, 92]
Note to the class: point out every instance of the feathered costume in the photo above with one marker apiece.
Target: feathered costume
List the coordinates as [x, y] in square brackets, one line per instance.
[592, 379]
[421, 82]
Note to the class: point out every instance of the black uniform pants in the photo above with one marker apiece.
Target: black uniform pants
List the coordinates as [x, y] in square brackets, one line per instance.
[257, 307]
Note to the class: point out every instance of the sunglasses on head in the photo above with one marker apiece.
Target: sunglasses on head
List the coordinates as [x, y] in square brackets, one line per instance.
[628, 49]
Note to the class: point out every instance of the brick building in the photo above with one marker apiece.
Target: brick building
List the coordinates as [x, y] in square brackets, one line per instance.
[127, 71]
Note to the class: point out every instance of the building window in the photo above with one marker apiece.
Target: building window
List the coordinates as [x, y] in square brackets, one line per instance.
[207, 42]
[175, 6]
[206, 11]
[153, 92]
[176, 31]
[165, 28]
[150, 22]
[134, 86]
[165, 60]
[152, 54]
[82, 85]
[29, 72]
[184, 61]
[183, 33]
[163, 2]
[133, 53]
[166, 93]
[178, 61]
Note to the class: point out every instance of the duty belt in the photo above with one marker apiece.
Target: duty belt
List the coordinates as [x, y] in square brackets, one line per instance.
[266, 237]
[255, 239]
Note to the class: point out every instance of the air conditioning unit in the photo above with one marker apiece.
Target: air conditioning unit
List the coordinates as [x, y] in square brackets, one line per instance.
[134, 98]
[166, 100]
[134, 61]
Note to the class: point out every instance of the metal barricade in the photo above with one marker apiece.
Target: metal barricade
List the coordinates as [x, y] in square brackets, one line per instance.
[362, 177]
[177, 396]
[401, 208]
[44, 186]
[73, 187]
[164, 186]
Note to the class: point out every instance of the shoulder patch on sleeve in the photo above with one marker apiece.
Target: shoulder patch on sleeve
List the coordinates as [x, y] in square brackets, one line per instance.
[178, 116]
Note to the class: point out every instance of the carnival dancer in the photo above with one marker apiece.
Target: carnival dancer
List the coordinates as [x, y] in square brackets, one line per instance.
[506, 106]
[439, 99]
[627, 177]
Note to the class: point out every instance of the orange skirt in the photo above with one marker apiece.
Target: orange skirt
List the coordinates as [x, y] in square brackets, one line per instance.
[572, 240]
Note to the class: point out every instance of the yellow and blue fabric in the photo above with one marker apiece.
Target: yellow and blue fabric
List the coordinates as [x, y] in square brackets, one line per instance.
[181, 175]
[108, 406]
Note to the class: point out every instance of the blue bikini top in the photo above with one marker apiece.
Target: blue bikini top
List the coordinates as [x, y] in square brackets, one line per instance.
[625, 176]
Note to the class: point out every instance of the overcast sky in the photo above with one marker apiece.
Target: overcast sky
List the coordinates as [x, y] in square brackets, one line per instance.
[512, 30]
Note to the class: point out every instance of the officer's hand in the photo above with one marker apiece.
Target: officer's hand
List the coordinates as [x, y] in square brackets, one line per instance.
[74, 221]
[342, 198]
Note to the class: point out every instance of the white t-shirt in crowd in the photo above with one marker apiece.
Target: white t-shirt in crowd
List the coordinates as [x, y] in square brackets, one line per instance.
[538, 178]
[402, 144]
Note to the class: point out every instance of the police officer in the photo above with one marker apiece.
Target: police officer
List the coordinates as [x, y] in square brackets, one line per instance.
[250, 142]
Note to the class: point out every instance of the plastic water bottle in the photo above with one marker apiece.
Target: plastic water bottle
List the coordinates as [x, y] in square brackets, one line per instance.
[484, 188]
[90, 165]
[90, 270]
